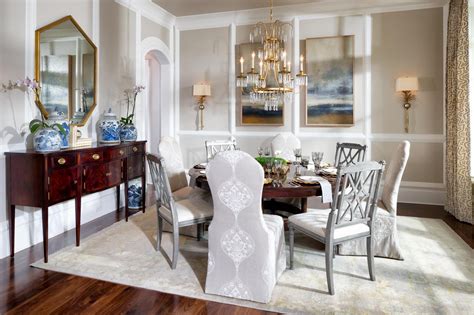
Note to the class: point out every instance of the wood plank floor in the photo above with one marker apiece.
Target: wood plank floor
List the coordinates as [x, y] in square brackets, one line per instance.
[26, 290]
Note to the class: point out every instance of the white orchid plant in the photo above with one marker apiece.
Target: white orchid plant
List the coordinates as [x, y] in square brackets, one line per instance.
[31, 85]
[131, 98]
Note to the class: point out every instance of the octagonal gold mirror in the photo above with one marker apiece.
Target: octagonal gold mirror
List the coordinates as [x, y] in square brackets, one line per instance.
[66, 68]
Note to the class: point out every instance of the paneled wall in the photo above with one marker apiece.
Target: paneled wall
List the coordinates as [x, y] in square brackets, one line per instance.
[385, 48]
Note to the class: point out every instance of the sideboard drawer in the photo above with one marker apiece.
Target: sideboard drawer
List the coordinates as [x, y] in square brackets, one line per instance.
[63, 160]
[137, 148]
[102, 176]
[135, 166]
[114, 154]
[62, 184]
[92, 156]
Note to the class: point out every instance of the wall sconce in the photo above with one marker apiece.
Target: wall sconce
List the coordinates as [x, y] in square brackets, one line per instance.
[407, 86]
[201, 91]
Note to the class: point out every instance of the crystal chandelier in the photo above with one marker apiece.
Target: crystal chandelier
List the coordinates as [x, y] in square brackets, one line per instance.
[273, 84]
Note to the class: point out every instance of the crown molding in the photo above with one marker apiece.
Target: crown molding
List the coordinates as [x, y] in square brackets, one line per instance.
[318, 10]
[151, 11]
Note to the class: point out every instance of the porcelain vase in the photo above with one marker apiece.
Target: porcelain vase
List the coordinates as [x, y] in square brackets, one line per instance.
[109, 129]
[135, 194]
[60, 118]
[47, 140]
[128, 133]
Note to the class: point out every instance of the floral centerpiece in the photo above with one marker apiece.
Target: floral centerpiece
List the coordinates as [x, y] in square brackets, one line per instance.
[128, 131]
[46, 136]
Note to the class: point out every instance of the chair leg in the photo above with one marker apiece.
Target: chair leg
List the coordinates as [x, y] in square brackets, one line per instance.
[292, 244]
[329, 271]
[199, 231]
[175, 249]
[370, 257]
[334, 251]
[160, 233]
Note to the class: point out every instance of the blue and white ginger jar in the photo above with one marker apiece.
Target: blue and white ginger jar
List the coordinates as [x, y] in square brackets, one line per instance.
[135, 194]
[109, 129]
[128, 133]
[47, 140]
[60, 118]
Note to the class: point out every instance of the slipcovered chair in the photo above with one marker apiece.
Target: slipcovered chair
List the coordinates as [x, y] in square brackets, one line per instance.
[178, 213]
[385, 226]
[214, 147]
[349, 153]
[283, 145]
[351, 215]
[246, 248]
[169, 149]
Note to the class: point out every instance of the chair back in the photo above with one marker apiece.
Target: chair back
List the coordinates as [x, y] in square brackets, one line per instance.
[163, 194]
[216, 146]
[349, 153]
[239, 239]
[355, 194]
[170, 151]
[283, 145]
[394, 175]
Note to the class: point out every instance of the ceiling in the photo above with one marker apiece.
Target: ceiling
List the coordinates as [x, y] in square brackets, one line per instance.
[192, 7]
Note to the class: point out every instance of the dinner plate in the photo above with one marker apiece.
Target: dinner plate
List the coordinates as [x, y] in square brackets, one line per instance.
[329, 171]
[307, 179]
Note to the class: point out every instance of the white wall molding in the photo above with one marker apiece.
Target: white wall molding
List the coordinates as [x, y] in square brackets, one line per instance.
[232, 99]
[30, 27]
[200, 133]
[367, 64]
[295, 114]
[151, 11]
[396, 137]
[177, 90]
[317, 10]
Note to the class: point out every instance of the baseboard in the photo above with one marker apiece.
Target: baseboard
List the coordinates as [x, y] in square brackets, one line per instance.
[421, 195]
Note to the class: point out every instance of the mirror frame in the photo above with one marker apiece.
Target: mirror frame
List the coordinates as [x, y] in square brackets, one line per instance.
[37, 64]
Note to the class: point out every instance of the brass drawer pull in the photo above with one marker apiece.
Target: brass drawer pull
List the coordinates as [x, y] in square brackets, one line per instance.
[61, 161]
[108, 174]
[96, 156]
[121, 152]
[135, 149]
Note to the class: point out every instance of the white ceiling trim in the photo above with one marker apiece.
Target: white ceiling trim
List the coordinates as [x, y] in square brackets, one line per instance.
[150, 10]
[302, 11]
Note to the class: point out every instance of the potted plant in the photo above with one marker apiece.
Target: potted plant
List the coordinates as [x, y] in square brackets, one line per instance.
[128, 131]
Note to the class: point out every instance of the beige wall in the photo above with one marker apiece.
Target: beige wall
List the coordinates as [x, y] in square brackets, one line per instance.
[152, 29]
[204, 57]
[51, 10]
[408, 43]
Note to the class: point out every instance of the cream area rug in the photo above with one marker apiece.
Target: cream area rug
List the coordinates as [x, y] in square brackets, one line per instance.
[437, 275]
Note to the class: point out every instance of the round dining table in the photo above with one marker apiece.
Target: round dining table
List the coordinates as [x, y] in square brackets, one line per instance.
[288, 189]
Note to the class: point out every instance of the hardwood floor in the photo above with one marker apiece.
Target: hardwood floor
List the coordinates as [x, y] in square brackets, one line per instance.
[26, 290]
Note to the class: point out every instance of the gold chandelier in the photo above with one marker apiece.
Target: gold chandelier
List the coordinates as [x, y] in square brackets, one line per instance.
[273, 83]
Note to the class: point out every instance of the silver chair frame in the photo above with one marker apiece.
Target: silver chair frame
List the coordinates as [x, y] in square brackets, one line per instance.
[216, 146]
[355, 185]
[349, 153]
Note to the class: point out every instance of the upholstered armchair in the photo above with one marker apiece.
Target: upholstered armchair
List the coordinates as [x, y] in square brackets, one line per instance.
[386, 242]
[246, 248]
[214, 147]
[283, 145]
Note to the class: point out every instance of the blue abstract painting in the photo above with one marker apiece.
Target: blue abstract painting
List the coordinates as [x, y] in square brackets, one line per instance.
[329, 96]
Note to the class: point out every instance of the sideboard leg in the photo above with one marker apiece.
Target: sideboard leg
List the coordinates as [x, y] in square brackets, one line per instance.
[126, 199]
[143, 193]
[12, 230]
[44, 215]
[78, 221]
[304, 204]
[118, 198]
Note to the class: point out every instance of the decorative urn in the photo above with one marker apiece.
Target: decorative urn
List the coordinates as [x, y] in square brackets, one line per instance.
[47, 140]
[128, 133]
[109, 129]
[135, 194]
[60, 118]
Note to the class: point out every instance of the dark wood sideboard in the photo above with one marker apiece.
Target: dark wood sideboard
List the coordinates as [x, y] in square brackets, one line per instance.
[44, 179]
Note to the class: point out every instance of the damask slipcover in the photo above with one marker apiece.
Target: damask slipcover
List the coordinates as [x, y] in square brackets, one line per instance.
[283, 145]
[246, 248]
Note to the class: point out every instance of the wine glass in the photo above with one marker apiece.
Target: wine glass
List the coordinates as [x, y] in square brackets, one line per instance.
[267, 151]
[260, 151]
[297, 153]
[317, 158]
[277, 166]
[268, 168]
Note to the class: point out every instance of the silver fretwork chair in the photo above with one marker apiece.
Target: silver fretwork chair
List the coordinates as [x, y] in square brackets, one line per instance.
[351, 215]
[178, 213]
[349, 153]
[216, 146]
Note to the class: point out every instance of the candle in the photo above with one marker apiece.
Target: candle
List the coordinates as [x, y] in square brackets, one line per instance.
[289, 66]
[301, 63]
[253, 59]
[241, 64]
[261, 67]
[284, 56]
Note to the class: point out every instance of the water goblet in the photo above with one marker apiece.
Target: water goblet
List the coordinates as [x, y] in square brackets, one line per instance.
[317, 158]
[267, 151]
[297, 153]
[260, 151]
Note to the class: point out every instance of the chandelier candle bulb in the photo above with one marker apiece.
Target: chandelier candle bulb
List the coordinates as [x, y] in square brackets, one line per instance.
[261, 67]
[301, 63]
[253, 59]
[241, 65]
[284, 57]
[289, 66]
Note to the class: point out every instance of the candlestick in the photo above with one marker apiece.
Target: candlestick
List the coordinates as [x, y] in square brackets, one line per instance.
[301, 63]
[253, 59]
[241, 64]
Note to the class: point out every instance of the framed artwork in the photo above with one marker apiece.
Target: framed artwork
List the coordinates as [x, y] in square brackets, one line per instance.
[329, 97]
[253, 113]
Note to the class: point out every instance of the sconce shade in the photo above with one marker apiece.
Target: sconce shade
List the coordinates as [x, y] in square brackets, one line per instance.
[201, 90]
[407, 84]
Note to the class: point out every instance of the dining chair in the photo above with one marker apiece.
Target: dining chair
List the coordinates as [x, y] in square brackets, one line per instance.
[349, 153]
[246, 247]
[385, 237]
[283, 145]
[351, 215]
[216, 146]
[177, 213]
